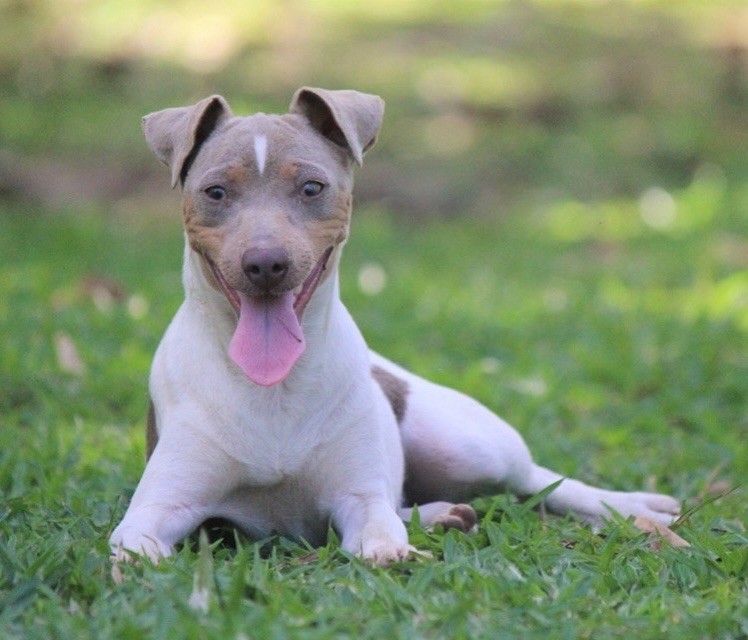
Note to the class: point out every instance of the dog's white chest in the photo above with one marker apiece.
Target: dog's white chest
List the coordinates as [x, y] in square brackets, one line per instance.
[270, 457]
[270, 443]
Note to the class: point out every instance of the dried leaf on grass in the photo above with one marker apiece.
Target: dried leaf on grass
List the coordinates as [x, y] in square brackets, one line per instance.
[117, 574]
[659, 532]
[104, 292]
[68, 358]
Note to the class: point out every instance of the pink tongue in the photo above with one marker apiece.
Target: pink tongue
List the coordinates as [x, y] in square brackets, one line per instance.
[268, 339]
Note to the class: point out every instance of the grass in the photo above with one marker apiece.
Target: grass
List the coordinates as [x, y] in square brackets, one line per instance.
[609, 325]
[618, 350]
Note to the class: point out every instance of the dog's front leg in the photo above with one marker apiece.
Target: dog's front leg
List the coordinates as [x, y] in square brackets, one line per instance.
[171, 501]
[370, 528]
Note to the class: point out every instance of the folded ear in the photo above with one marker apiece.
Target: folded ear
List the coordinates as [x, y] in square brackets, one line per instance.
[348, 118]
[175, 135]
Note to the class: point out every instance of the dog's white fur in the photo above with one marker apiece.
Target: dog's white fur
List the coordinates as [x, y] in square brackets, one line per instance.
[324, 445]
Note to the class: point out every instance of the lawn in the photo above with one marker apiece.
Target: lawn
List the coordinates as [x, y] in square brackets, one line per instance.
[554, 220]
[616, 348]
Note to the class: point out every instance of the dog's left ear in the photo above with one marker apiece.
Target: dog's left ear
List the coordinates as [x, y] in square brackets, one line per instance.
[348, 118]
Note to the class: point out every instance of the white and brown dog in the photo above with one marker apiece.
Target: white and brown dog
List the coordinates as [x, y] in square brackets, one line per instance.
[268, 409]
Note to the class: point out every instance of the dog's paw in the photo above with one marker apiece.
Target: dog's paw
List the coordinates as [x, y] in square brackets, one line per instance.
[385, 552]
[128, 546]
[129, 550]
[460, 516]
[655, 506]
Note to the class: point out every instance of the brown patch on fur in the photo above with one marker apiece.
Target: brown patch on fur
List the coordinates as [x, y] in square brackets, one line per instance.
[204, 239]
[209, 275]
[332, 230]
[289, 171]
[344, 207]
[237, 173]
[396, 390]
[151, 434]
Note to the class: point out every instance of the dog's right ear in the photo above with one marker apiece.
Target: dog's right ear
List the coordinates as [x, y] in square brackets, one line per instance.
[175, 135]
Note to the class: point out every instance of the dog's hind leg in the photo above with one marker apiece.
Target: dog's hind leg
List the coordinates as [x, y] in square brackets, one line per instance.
[456, 449]
[594, 504]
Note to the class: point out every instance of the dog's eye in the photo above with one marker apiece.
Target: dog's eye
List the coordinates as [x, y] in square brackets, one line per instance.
[215, 192]
[312, 188]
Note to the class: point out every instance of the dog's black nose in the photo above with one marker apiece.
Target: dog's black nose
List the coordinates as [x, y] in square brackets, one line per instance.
[265, 268]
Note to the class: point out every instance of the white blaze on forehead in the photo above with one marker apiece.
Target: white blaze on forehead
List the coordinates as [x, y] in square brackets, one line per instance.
[261, 151]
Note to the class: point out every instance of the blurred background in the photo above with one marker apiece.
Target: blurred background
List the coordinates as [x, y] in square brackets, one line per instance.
[555, 217]
[493, 106]
[559, 192]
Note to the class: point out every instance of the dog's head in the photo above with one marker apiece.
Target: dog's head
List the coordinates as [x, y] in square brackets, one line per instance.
[267, 199]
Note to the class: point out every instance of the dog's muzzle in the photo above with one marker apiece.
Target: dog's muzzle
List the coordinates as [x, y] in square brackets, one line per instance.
[268, 339]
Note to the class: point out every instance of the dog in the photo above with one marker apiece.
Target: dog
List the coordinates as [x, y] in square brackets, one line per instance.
[267, 408]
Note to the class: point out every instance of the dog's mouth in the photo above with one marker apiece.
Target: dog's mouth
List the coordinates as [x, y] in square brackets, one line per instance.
[268, 339]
